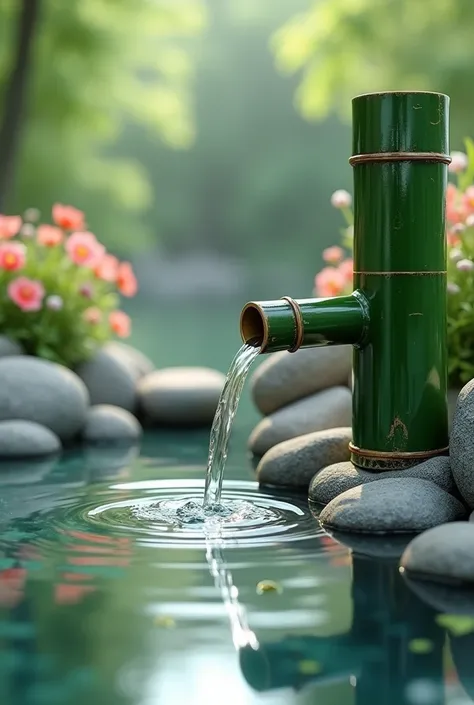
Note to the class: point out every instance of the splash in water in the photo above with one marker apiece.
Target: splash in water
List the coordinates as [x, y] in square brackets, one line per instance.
[222, 424]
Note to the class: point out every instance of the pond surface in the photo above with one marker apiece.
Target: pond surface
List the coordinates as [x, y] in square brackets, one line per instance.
[99, 606]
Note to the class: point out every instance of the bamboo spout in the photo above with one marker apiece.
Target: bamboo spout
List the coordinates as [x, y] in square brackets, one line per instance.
[396, 317]
[286, 324]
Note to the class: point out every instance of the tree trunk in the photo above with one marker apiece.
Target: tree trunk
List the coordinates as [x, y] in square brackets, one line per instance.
[14, 96]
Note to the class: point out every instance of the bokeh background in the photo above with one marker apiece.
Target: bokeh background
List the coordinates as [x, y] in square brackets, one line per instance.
[203, 138]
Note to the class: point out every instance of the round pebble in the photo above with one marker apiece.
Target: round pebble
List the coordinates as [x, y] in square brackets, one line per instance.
[335, 479]
[294, 462]
[180, 396]
[285, 377]
[25, 439]
[461, 443]
[105, 423]
[395, 505]
[443, 554]
[109, 380]
[137, 363]
[32, 389]
[328, 409]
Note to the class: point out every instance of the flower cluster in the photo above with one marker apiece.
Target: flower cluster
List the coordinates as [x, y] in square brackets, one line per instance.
[59, 287]
[336, 277]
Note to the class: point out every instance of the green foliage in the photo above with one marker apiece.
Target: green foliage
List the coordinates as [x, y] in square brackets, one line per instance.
[344, 47]
[98, 66]
[62, 309]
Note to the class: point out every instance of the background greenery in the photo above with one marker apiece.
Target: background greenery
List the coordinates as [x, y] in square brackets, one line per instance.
[203, 138]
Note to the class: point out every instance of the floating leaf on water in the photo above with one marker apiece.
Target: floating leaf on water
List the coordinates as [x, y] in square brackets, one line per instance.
[309, 667]
[420, 646]
[265, 586]
[164, 621]
[457, 625]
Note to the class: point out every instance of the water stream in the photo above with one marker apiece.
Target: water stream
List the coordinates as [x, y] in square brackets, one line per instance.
[222, 424]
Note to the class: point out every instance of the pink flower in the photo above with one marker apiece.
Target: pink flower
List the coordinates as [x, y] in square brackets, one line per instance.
[26, 293]
[126, 280]
[84, 249]
[107, 268]
[86, 290]
[49, 235]
[456, 211]
[346, 268]
[9, 226]
[68, 217]
[333, 255]
[465, 265]
[12, 256]
[120, 323]
[92, 315]
[459, 162]
[341, 199]
[468, 199]
[329, 282]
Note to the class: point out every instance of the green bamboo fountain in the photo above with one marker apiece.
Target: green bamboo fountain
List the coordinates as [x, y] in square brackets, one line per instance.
[396, 316]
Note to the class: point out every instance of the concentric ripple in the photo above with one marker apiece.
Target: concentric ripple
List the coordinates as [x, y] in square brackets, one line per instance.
[168, 514]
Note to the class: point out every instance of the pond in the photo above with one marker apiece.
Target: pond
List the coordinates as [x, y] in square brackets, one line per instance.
[100, 606]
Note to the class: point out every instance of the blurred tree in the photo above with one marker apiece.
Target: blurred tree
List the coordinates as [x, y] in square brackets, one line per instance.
[344, 47]
[96, 66]
[256, 183]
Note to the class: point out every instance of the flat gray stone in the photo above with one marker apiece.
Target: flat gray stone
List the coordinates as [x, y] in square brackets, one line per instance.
[109, 380]
[105, 423]
[331, 408]
[294, 462]
[461, 443]
[180, 396]
[25, 439]
[286, 377]
[9, 347]
[335, 479]
[37, 390]
[443, 554]
[392, 506]
[137, 363]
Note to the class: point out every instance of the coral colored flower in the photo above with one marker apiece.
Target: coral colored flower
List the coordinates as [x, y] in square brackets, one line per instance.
[107, 268]
[120, 323]
[453, 238]
[459, 162]
[468, 199]
[84, 249]
[333, 255]
[341, 199]
[92, 315]
[26, 293]
[329, 282]
[456, 210]
[9, 225]
[12, 256]
[49, 235]
[346, 268]
[68, 217]
[126, 280]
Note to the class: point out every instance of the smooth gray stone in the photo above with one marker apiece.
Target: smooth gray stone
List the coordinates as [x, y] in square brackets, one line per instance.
[32, 389]
[180, 396]
[335, 479]
[24, 439]
[443, 554]
[396, 505]
[137, 363]
[109, 380]
[105, 423]
[461, 443]
[445, 597]
[383, 548]
[331, 408]
[9, 347]
[294, 462]
[285, 377]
